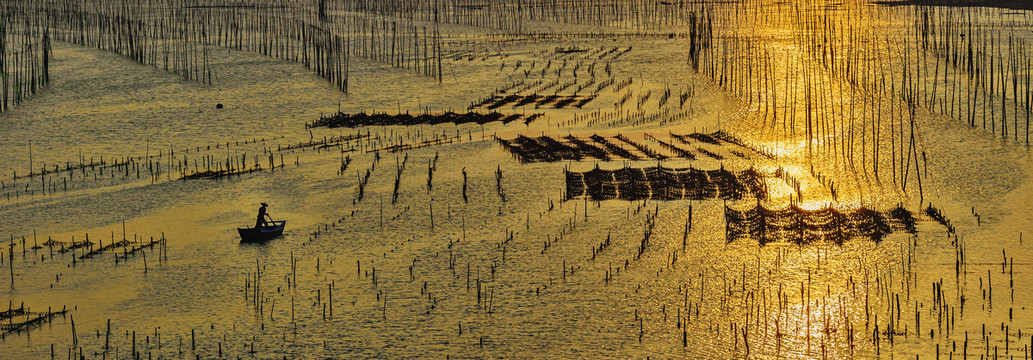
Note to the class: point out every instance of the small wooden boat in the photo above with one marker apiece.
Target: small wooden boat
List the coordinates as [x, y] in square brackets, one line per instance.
[262, 233]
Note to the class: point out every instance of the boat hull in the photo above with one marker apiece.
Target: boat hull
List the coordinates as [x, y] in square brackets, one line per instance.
[262, 233]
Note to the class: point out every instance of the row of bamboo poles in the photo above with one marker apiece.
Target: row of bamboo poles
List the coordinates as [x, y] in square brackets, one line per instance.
[161, 33]
[517, 16]
[981, 68]
[24, 54]
[181, 36]
[212, 161]
[851, 88]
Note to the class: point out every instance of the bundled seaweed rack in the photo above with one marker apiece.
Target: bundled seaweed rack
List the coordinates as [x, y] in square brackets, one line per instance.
[341, 119]
[795, 224]
[539, 101]
[661, 183]
[541, 149]
[16, 320]
[548, 149]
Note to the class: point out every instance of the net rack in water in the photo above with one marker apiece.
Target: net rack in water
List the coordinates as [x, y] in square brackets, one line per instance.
[798, 225]
[553, 101]
[662, 183]
[549, 149]
[362, 119]
[21, 319]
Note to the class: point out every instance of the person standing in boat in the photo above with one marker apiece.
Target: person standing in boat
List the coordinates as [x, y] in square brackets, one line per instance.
[262, 216]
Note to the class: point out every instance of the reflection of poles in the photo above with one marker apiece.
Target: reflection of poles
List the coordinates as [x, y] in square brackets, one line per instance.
[75, 338]
[465, 199]
[498, 184]
[727, 223]
[839, 218]
[685, 235]
[763, 223]
[107, 336]
[798, 223]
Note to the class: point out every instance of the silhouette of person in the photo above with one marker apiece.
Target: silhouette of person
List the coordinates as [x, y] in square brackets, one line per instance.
[261, 217]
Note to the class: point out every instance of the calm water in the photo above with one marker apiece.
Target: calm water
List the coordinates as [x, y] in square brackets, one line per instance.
[432, 275]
